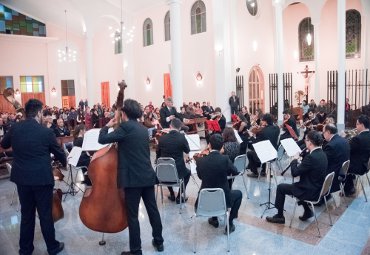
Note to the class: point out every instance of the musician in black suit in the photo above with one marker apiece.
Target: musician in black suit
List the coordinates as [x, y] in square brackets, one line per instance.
[174, 145]
[61, 130]
[311, 174]
[360, 153]
[337, 151]
[269, 132]
[289, 120]
[168, 113]
[135, 173]
[32, 144]
[213, 171]
[234, 103]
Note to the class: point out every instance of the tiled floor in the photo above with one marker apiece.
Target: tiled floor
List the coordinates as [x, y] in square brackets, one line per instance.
[253, 235]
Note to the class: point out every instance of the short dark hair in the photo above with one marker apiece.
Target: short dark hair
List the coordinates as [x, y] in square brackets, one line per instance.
[315, 138]
[331, 128]
[176, 123]
[132, 109]
[229, 135]
[32, 107]
[217, 109]
[268, 118]
[216, 141]
[77, 130]
[287, 112]
[364, 119]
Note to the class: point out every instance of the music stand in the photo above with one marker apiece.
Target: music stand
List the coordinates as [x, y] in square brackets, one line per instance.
[194, 145]
[266, 152]
[72, 160]
[291, 148]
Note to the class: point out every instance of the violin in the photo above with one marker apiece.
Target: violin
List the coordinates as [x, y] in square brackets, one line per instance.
[201, 154]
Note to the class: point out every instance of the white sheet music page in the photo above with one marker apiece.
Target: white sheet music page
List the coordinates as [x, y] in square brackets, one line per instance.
[90, 142]
[74, 155]
[291, 147]
[265, 151]
[192, 164]
[237, 136]
[194, 142]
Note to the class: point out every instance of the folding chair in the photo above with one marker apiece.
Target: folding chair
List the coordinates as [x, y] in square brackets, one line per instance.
[211, 203]
[241, 162]
[325, 190]
[9, 168]
[167, 176]
[344, 171]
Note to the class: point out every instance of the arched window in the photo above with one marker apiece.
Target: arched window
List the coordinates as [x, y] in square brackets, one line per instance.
[167, 26]
[256, 86]
[198, 18]
[252, 7]
[306, 40]
[148, 32]
[353, 34]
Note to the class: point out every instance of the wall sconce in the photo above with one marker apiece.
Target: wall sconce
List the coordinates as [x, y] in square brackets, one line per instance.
[53, 91]
[17, 92]
[199, 77]
[148, 83]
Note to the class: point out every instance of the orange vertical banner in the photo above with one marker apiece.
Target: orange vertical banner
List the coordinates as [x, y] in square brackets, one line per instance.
[105, 98]
[167, 85]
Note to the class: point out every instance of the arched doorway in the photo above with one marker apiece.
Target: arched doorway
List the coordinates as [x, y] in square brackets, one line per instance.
[256, 88]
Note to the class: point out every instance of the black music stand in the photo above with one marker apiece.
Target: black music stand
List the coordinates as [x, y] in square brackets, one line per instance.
[72, 160]
[269, 205]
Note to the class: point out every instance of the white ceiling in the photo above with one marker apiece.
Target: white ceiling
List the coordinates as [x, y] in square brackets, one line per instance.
[78, 11]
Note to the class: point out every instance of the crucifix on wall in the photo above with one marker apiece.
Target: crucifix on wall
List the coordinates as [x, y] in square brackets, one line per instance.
[307, 74]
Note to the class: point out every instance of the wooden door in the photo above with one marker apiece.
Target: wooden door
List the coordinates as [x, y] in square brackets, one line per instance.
[167, 85]
[25, 96]
[105, 93]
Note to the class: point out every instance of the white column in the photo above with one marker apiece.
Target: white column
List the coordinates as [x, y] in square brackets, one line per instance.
[176, 52]
[90, 86]
[224, 66]
[341, 26]
[316, 96]
[366, 21]
[279, 53]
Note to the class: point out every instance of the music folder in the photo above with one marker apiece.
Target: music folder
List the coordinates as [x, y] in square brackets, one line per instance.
[265, 151]
[90, 142]
[194, 142]
[290, 146]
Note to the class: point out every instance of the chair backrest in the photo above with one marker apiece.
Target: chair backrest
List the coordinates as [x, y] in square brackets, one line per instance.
[167, 160]
[167, 173]
[8, 167]
[241, 163]
[326, 186]
[368, 165]
[211, 202]
[345, 167]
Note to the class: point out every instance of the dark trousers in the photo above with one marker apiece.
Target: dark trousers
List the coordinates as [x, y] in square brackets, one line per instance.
[254, 162]
[133, 196]
[32, 198]
[235, 201]
[282, 190]
[234, 110]
[186, 180]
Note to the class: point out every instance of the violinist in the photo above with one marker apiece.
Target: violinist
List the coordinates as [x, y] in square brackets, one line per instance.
[135, 173]
[268, 132]
[174, 145]
[220, 118]
[32, 144]
[289, 121]
[231, 146]
[84, 160]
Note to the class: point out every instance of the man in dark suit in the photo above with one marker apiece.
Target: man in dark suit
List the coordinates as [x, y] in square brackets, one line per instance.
[32, 144]
[337, 151]
[174, 145]
[311, 174]
[269, 132]
[360, 153]
[234, 103]
[289, 120]
[168, 113]
[135, 173]
[61, 130]
[213, 171]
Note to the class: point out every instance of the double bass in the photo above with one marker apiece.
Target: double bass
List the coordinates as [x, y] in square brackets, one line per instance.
[102, 207]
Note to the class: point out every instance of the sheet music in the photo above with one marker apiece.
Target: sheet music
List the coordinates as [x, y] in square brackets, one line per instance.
[194, 142]
[74, 155]
[237, 136]
[192, 164]
[291, 147]
[265, 151]
[90, 142]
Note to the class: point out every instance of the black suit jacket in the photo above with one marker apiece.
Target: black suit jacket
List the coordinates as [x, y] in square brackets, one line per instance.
[337, 151]
[311, 172]
[213, 171]
[164, 113]
[270, 133]
[173, 145]
[32, 144]
[134, 166]
[360, 153]
[59, 132]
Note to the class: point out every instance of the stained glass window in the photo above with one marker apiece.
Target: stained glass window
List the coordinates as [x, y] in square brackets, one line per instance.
[198, 18]
[353, 34]
[148, 32]
[306, 35]
[5, 82]
[12, 22]
[167, 26]
[32, 84]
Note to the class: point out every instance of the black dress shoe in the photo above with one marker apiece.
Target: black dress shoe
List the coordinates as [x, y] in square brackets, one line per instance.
[231, 228]
[58, 249]
[158, 247]
[350, 192]
[171, 198]
[306, 215]
[182, 200]
[276, 219]
[213, 222]
[126, 253]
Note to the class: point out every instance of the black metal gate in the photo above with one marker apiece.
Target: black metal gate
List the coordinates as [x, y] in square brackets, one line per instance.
[240, 90]
[287, 92]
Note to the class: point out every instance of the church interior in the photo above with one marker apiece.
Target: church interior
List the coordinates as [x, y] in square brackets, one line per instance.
[275, 56]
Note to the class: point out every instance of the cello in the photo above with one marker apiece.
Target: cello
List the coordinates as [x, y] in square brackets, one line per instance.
[102, 207]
